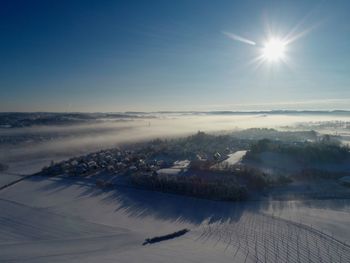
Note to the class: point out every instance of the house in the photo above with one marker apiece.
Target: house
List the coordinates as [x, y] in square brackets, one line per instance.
[92, 165]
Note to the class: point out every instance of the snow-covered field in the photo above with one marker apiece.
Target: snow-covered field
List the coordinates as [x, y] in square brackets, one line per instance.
[234, 158]
[62, 220]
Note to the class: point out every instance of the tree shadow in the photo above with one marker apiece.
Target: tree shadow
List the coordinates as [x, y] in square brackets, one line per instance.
[141, 203]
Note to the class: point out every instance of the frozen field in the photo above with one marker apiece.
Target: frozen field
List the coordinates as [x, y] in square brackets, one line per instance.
[61, 220]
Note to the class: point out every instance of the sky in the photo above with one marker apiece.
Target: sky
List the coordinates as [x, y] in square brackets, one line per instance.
[160, 55]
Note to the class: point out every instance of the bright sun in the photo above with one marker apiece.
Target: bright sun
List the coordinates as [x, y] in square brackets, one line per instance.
[274, 50]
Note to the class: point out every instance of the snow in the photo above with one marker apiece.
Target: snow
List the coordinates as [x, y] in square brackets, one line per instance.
[329, 216]
[169, 171]
[63, 220]
[177, 168]
[6, 178]
[234, 158]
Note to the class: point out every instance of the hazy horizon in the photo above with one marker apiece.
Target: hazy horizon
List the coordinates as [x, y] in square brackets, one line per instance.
[275, 110]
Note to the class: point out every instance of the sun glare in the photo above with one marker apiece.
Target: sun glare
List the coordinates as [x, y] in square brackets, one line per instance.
[274, 50]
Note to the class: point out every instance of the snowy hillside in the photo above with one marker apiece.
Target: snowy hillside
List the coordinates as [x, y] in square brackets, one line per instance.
[59, 220]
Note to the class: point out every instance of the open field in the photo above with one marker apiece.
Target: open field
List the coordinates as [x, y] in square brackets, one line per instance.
[51, 219]
[60, 219]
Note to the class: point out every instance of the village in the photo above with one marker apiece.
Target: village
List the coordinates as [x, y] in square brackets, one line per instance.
[190, 166]
[118, 162]
[219, 167]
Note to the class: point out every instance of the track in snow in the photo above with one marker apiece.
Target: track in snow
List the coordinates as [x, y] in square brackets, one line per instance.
[263, 238]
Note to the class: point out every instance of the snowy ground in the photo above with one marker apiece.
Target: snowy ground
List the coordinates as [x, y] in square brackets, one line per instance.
[19, 168]
[62, 220]
[234, 158]
[177, 168]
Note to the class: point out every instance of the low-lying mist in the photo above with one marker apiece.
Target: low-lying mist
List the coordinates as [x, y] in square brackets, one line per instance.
[57, 142]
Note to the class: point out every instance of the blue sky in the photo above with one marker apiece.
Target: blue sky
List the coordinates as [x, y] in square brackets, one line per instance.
[171, 55]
